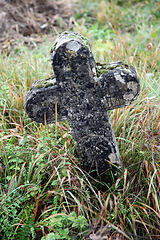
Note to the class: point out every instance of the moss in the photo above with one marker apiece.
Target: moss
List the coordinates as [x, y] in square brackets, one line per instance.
[104, 68]
[44, 83]
[71, 35]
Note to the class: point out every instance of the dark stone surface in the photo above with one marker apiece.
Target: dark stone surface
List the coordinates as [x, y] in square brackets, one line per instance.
[84, 92]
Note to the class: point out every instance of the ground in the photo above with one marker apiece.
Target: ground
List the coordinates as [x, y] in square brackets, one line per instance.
[27, 21]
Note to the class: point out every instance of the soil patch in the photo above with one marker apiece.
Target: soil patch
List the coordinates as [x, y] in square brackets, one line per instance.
[28, 20]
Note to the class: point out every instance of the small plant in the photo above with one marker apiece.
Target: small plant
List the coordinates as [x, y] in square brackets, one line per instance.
[65, 226]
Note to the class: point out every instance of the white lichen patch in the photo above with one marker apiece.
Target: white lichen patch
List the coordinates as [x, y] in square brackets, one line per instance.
[112, 157]
[114, 64]
[128, 96]
[53, 81]
[96, 79]
[66, 68]
[73, 46]
[59, 41]
[119, 78]
[125, 71]
[132, 94]
[94, 71]
[132, 85]
[52, 55]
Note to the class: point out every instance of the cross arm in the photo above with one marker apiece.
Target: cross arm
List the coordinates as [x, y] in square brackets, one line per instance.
[43, 102]
[117, 85]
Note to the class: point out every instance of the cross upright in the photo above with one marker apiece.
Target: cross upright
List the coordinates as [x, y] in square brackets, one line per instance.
[83, 92]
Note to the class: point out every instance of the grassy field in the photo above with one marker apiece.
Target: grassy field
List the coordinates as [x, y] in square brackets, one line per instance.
[44, 194]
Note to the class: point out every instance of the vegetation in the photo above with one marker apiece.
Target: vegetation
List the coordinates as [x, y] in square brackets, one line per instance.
[44, 194]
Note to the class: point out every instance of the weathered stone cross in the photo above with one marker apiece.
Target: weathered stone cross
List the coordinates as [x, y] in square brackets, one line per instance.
[83, 96]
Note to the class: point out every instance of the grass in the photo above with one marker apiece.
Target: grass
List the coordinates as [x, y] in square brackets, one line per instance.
[44, 194]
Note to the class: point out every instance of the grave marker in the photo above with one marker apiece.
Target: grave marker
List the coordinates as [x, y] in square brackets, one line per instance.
[83, 92]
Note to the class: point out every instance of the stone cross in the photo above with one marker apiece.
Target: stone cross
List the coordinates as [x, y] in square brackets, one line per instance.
[82, 92]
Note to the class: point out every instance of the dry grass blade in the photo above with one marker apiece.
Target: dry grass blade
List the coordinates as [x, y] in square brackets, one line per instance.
[36, 206]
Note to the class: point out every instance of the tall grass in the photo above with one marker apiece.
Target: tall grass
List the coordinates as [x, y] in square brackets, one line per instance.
[44, 193]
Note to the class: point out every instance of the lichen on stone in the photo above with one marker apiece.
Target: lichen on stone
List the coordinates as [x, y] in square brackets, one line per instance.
[83, 92]
[45, 83]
